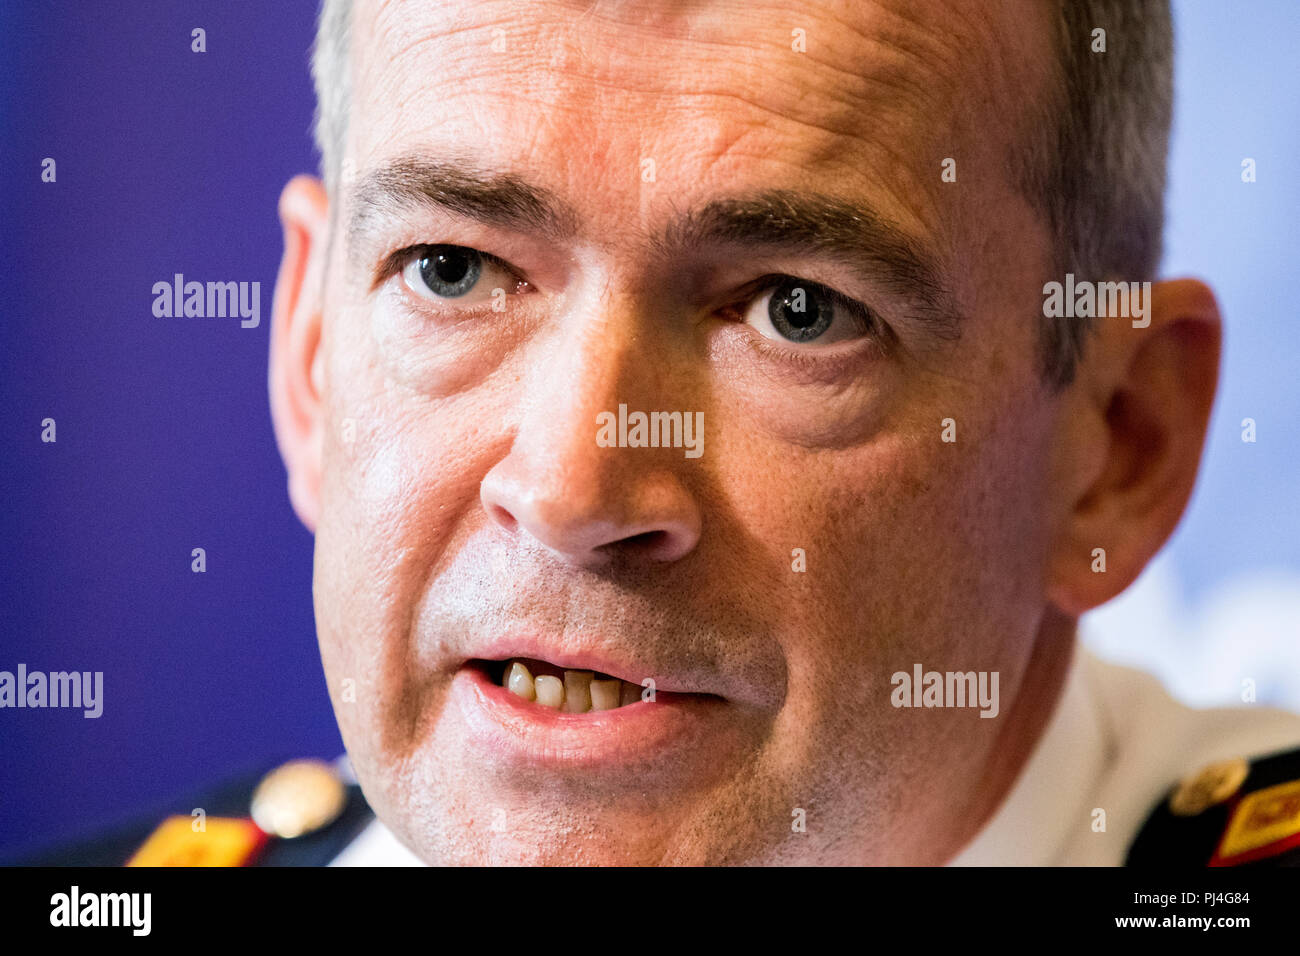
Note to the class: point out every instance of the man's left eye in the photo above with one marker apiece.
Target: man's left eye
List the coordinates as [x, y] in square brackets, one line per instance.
[444, 273]
[795, 310]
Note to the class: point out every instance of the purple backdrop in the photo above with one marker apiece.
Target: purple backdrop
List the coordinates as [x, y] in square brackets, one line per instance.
[167, 161]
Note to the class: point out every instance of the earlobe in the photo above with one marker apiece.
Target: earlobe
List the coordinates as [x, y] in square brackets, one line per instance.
[295, 373]
[1144, 400]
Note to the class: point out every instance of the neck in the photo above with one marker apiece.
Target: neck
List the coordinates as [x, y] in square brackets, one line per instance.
[1040, 690]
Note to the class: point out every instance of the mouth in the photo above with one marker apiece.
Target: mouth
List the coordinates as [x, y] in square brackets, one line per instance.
[569, 690]
[530, 711]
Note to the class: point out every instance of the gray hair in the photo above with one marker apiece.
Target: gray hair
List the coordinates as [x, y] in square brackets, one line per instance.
[1094, 163]
[1097, 172]
[333, 79]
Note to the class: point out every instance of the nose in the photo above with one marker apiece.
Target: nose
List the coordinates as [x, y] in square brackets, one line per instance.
[558, 485]
[587, 521]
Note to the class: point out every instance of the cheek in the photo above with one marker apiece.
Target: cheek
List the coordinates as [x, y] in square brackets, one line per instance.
[400, 480]
[903, 549]
[912, 551]
[400, 468]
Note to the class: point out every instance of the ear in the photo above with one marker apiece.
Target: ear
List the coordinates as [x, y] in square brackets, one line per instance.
[295, 365]
[1131, 444]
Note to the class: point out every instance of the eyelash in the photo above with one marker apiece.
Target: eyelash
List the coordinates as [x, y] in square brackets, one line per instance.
[396, 262]
[865, 319]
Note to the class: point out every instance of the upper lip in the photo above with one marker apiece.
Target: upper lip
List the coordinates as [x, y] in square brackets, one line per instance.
[586, 656]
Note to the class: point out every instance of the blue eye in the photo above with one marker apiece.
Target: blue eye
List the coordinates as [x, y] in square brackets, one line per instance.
[800, 312]
[457, 278]
[449, 271]
[807, 313]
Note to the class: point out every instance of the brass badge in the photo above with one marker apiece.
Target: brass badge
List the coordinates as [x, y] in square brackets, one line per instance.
[1211, 786]
[298, 798]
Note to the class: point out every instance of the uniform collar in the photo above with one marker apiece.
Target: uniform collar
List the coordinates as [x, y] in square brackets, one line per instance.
[376, 846]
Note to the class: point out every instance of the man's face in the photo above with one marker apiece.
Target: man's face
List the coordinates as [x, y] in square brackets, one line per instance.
[659, 165]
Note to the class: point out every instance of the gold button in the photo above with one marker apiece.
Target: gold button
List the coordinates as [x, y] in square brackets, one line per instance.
[298, 798]
[1211, 786]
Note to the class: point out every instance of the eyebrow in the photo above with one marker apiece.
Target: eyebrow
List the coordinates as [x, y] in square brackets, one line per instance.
[781, 220]
[497, 199]
[844, 231]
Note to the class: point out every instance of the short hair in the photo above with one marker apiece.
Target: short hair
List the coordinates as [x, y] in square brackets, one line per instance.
[333, 81]
[1097, 169]
[1093, 162]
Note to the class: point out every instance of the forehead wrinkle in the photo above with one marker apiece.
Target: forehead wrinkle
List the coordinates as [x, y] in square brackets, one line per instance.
[548, 43]
[848, 95]
[982, 71]
[394, 72]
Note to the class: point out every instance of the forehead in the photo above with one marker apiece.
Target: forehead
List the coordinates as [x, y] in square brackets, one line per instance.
[619, 107]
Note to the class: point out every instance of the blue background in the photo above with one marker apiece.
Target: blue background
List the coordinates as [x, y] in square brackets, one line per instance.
[168, 161]
[171, 161]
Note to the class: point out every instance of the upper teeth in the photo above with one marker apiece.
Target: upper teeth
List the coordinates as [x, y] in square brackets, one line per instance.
[578, 693]
[604, 694]
[520, 681]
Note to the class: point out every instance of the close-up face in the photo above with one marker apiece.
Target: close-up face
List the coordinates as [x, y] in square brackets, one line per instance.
[550, 216]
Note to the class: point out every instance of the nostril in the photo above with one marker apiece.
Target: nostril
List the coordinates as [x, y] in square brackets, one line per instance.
[590, 518]
[648, 540]
[503, 517]
[649, 543]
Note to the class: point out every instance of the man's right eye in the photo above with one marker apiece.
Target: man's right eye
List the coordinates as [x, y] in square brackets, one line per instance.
[458, 275]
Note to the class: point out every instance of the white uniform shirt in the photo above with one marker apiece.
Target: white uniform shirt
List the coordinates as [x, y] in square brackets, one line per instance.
[1117, 742]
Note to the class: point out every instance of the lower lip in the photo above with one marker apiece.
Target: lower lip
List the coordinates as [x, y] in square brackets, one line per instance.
[502, 724]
